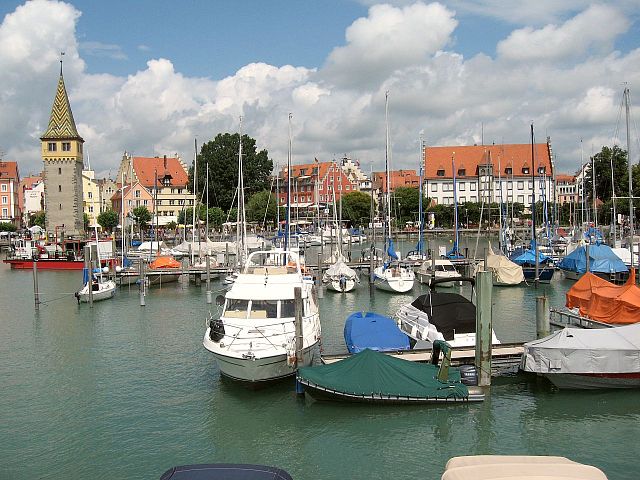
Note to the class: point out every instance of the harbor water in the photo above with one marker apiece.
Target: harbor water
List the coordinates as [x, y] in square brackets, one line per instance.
[123, 391]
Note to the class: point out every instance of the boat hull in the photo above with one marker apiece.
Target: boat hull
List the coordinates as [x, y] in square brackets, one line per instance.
[394, 285]
[345, 287]
[107, 290]
[45, 264]
[160, 278]
[545, 275]
[259, 369]
[592, 381]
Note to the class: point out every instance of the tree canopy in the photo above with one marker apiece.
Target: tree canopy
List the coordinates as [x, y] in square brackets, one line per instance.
[603, 161]
[221, 154]
[356, 208]
[258, 204]
[406, 201]
[142, 215]
[108, 220]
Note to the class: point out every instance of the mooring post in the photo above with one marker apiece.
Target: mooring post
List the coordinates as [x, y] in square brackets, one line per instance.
[297, 296]
[319, 278]
[208, 279]
[36, 291]
[588, 258]
[143, 282]
[88, 265]
[542, 317]
[484, 286]
[537, 253]
[226, 254]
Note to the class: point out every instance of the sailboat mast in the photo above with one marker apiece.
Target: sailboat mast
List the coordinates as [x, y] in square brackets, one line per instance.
[593, 185]
[455, 205]
[288, 215]
[533, 192]
[241, 224]
[386, 166]
[195, 195]
[123, 230]
[420, 193]
[626, 108]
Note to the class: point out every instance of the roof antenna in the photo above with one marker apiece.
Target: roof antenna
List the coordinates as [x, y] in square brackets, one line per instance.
[61, 55]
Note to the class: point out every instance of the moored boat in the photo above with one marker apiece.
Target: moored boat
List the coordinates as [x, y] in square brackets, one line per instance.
[437, 269]
[101, 289]
[371, 330]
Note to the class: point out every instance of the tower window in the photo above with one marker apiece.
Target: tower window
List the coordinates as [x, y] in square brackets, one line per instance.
[51, 146]
[59, 206]
[59, 171]
[59, 188]
[66, 146]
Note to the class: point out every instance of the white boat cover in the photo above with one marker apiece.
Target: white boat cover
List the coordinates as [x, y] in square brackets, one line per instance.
[153, 246]
[520, 467]
[205, 247]
[504, 271]
[577, 350]
[339, 269]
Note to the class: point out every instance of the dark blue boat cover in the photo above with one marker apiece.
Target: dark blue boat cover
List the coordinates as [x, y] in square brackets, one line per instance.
[526, 256]
[225, 471]
[373, 331]
[601, 260]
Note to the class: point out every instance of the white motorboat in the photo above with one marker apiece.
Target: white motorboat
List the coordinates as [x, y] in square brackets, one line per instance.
[440, 316]
[254, 338]
[437, 269]
[340, 277]
[101, 289]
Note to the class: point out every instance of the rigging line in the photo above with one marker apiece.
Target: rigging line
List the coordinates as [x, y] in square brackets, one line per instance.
[264, 218]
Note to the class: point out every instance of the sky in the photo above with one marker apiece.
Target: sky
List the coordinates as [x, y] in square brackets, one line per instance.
[149, 77]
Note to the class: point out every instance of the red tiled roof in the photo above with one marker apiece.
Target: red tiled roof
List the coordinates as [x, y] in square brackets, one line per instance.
[467, 158]
[9, 170]
[565, 177]
[397, 178]
[147, 167]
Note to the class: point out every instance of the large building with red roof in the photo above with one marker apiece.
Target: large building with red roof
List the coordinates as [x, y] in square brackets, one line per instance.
[167, 175]
[489, 173]
[10, 193]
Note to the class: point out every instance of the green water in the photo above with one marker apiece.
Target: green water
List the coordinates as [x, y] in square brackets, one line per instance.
[121, 391]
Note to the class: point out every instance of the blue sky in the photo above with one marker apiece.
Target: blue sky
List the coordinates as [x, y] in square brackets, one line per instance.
[147, 76]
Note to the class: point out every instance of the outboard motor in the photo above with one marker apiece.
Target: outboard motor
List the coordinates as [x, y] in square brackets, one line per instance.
[469, 375]
[216, 332]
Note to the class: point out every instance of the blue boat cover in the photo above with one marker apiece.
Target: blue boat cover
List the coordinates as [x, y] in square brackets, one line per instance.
[225, 471]
[526, 256]
[370, 330]
[601, 260]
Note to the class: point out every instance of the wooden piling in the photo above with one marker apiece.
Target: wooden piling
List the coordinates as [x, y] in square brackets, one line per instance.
[208, 280]
[484, 286]
[297, 296]
[143, 282]
[542, 317]
[36, 290]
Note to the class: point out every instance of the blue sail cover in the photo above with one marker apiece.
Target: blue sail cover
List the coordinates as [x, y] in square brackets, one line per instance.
[391, 250]
[601, 260]
[526, 256]
[370, 330]
[454, 252]
[595, 234]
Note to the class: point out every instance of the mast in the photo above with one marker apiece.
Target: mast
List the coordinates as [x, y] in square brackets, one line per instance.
[386, 167]
[455, 251]
[420, 246]
[593, 188]
[340, 216]
[626, 108]
[241, 224]
[288, 216]
[277, 201]
[123, 230]
[195, 196]
[501, 243]
[533, 193]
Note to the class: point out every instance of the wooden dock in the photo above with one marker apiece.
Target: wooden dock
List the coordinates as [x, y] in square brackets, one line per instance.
[505, 358]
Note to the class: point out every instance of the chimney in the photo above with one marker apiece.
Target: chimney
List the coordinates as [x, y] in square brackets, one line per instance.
[165, 162]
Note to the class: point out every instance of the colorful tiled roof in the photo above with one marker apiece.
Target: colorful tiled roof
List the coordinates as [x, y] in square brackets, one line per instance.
[468, 158]
[9, 170]
[146, 169]
[397, 178]
[61, 123]
[565, 177]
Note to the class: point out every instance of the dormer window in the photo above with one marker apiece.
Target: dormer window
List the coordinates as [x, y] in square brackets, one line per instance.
[462, 172]
[508, 170]
[525, 170]
[440, 172]
[541, 170]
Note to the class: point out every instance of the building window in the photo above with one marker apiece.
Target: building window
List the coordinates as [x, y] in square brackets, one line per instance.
[440, 172]
[5, 200]
[59, 206]
[508, 170]
[129, 203]
[530, 199]
[90, 209]
[525, 170]
[530, 184]
[520, 185]
[520, 198]
[4, 187]
[137, 203]
[66, 146]
[171, 202]
[5, 213]
[462, 186]
[51, 146]
[509, 185]
[434, 187]
[59, 171]
[541, 170]
[59, 188]
[462, 172]
[463, 199]
[90, 194]
[145, 202]
[472, 187]
[137, 193]
[473, 199]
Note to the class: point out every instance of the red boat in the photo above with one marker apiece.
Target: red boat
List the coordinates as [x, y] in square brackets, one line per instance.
[65, 256]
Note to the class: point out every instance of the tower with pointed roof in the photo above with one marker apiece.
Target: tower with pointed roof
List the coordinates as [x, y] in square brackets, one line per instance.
[63, 161]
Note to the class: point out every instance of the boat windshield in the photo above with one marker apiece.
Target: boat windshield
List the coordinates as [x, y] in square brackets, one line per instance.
[264, 309]
[236, 308]
[448, 268]
[287, 308]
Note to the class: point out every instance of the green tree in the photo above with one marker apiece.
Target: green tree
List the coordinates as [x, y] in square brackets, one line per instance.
[216, 216]
[85, 221]
[108, 220]
[259, 204]
[142, 216]
[38, 219]
[171, 225]
[356, 208]
[186, 216]
[406, 201]
[602, 162]
[7, 227]
[221, 154]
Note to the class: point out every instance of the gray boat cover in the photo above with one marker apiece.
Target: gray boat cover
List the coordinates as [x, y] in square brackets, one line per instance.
[338, 269]
[577, 350]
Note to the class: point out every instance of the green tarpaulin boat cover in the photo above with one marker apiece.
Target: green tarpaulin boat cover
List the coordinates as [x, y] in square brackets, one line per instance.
[373, 373]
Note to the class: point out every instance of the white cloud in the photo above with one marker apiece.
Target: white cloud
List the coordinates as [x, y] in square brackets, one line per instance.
[575, 37]
[337, 109]
[99, 49]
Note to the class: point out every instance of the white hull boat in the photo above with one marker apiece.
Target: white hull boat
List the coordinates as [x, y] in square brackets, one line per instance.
[254, 340]
[396, 279]
[339, 277]
[342, 285]
[102, 290]
[437, 269]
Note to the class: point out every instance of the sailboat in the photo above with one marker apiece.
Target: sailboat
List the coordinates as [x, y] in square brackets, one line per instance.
[256, 338]
[454, 253]
[418, 255]
[95, 285]
[392, 275]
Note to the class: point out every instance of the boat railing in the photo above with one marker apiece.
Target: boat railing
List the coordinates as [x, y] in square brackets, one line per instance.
[566, 318]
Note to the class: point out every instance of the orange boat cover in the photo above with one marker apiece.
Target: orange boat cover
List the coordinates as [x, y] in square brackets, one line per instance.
[165, 262]
[605, 302]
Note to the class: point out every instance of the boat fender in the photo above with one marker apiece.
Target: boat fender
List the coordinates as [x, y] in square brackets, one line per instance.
[469, 375]
[216, 330]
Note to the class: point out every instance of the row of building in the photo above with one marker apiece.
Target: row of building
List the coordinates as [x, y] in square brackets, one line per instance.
[67, 188]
